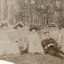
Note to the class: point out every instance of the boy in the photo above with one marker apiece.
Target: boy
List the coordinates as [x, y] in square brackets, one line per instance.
[50, 46]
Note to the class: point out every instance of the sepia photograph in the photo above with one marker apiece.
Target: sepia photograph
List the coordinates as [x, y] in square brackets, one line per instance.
[31, 31]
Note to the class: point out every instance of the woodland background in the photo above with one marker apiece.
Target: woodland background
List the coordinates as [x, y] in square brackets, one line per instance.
[41, 12]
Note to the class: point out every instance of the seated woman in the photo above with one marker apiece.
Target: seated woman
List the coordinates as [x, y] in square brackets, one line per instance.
[54, 32]
[6, 46]
[22, 32]
[51, 47]
[34, 42]
[62, 39]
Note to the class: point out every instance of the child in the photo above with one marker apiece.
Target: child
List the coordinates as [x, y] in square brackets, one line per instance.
[50, 46]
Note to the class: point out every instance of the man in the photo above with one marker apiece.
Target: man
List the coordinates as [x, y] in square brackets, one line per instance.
[50, 46]
[34, 42]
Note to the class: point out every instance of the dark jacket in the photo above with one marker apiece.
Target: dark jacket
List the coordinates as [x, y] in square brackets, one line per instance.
[46, 42]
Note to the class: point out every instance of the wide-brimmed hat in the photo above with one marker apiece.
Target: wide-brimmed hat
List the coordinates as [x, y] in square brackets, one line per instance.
[31, 27]
[20, 24]
[3, 23]
[46, 32]
[52, 25]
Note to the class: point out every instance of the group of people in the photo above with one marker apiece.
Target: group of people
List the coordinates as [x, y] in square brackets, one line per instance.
[6, 45]
[49, 42]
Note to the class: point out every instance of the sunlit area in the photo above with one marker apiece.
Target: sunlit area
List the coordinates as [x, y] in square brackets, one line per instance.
[5, 62]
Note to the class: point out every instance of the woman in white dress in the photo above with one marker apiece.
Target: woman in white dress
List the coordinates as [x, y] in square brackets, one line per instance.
[6, 46]
[62, 44]
[54, 33]
[34, 42]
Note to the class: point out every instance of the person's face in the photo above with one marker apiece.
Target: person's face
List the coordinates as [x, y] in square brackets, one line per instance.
[4, 26]
[33, 30]
[18, 28]
[52, 28]
[47, 35]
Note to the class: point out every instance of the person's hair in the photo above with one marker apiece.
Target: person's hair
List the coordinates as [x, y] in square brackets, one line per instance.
[19, 26]
[33, 28]
[4, 25]
[46, 32]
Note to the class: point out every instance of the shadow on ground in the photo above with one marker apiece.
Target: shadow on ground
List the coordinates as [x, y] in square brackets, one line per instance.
[32, 59]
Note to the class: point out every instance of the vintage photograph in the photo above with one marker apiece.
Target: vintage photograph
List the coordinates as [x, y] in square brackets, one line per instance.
[31, 31]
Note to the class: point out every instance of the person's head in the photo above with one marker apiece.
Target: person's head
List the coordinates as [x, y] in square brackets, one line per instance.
[4, 24]
[33, 30]
[18, 26]
[47, 35]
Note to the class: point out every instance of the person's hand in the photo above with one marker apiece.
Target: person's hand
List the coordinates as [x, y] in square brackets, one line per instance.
[50, 45]
[60, 46]
[45, 47]
[24, 47]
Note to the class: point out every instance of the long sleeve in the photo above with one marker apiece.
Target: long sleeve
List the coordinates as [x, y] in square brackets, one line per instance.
[44, 45]
[53, 41]
[43, 42]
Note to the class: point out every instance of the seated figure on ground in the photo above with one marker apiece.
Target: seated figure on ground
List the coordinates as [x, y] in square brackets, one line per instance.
[22, 31]
[62, 43]
[6, 46]
[60, 39]
[54, 32]
[34, 42]
[51, 47]
[19, 27]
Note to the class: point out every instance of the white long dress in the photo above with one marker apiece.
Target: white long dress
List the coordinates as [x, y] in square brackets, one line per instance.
[60, 38]
[23, 33]
[62, 32]
[54, 34]
[5, 48]
[35, 43]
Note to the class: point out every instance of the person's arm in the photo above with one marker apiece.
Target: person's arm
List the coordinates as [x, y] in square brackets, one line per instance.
[7, 39]
[43, 43]
[26, 44]
[54, 42]
[60, 40]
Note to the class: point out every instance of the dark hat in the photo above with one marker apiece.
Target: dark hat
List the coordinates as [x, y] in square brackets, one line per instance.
[20, 24]
[4, 23]
[33, 27]
[52, 25]
[46, 32]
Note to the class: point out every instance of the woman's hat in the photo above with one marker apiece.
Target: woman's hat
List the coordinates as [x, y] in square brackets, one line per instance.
[46, 32]
[52, 25]
[4, 23]
[20, 24]
[33, 27]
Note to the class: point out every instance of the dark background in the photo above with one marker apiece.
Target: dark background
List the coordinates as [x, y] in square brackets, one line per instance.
[41, 12]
